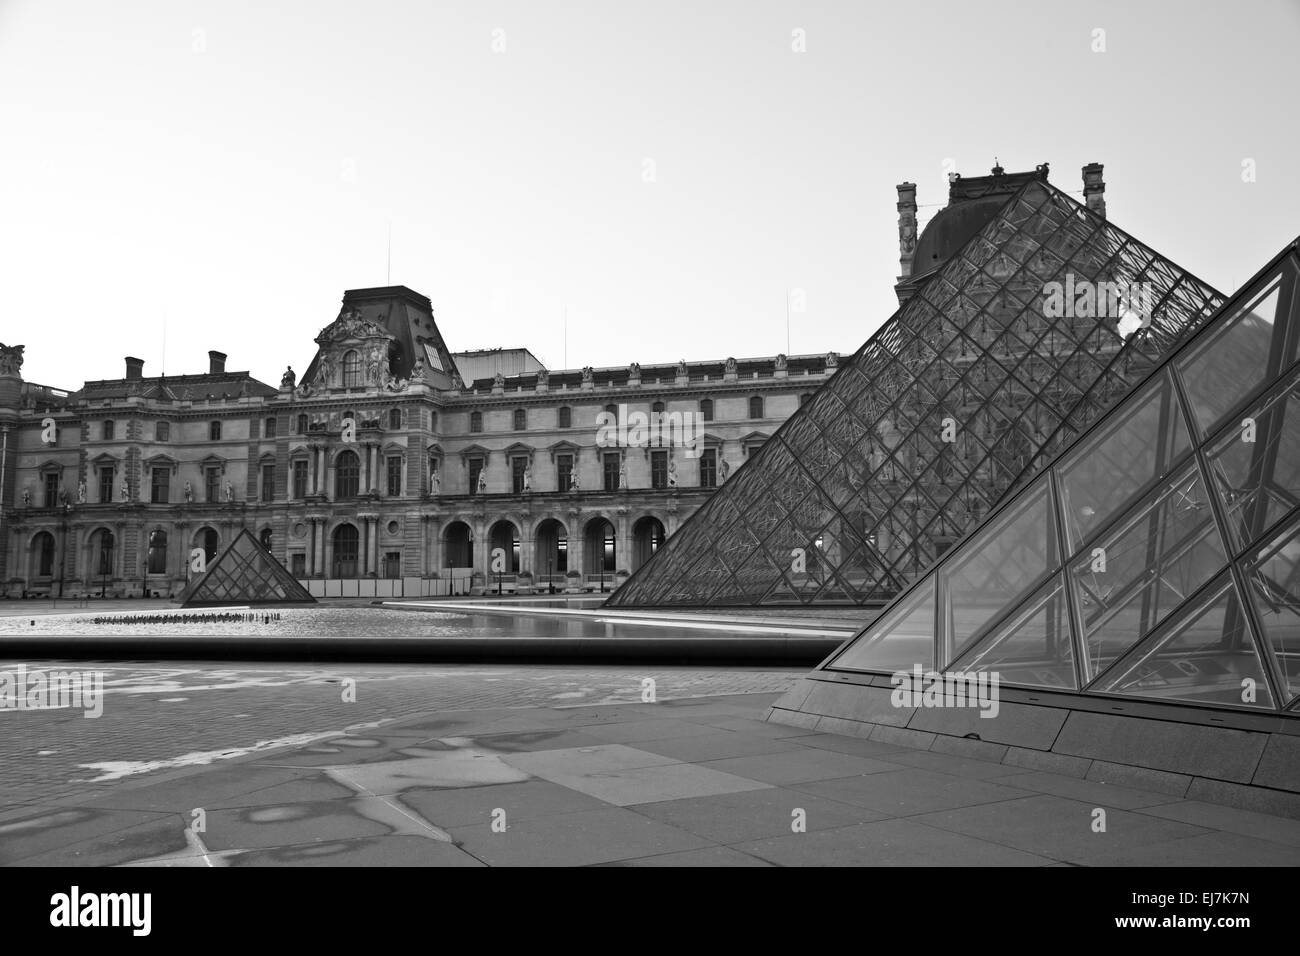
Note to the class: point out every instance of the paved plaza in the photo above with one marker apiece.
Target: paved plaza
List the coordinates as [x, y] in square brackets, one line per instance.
[245, 765]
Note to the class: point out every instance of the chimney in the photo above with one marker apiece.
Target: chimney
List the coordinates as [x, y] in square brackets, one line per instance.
[134, 368]
[216, 362]
[1094, 189]
[906, 228]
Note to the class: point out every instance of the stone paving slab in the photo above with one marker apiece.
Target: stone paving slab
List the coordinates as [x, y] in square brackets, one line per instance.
[694, 782]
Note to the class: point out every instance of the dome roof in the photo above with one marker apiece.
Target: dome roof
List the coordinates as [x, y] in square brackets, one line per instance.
[951, 228]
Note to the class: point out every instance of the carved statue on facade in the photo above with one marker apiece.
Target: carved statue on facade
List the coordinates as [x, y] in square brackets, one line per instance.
[574, 483]
[498, 380]
[832, 360]
[11, 358]
[634, 370]
[622, 475]
[682, 370]
[125, 490]
[528, 476]
[289, 378]
[374, 366]
[457, 383]
[325, 374]
[27, 497]
[543, 377]
[435, 479]
[724, 469]
[730, 367]
[672, 474]
[781, 363]
[189, 493]
[482, 482]
[81, 492]
[230, 491]
[588, 375]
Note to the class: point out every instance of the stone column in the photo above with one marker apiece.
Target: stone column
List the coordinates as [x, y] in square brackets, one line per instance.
[311, 469]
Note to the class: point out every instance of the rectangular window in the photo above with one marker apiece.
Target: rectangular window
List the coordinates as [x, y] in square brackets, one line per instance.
[106, 485]
[394, 476]
[298, 565]
[392, 564]
[160, 480]
[212, 484]
[611, 463]
[659, 469]
[300, 479]
[51, 489]
[564, 469]
[270, 428]
[268, 482]
[709, 468]
[517, 466]
[475, 469]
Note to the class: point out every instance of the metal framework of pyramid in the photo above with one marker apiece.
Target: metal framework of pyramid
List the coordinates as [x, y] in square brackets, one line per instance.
[245, 573]
[970, 387]
[1158, 557]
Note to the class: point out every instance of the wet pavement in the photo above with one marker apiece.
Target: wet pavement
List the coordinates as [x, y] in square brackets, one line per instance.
[262, 766]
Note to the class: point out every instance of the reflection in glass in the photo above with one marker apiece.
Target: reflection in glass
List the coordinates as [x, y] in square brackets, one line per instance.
[1145, 567]
[999, 565]
[1137, 446]
[1231, 361]
[1033, 647]
[900, 641]
[1274, 582]
[1207, 656]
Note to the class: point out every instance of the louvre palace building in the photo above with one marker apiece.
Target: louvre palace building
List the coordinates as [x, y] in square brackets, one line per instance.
[390, 466]
[394, 467]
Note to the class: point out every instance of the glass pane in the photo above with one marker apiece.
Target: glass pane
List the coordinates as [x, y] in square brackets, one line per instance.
[1128, 583]
[1207, 656]
[1139, 444]
[1231, 361]
[899, 642]
[1256, 468]
[1274, 582]
[997, 566]
[1033, 648]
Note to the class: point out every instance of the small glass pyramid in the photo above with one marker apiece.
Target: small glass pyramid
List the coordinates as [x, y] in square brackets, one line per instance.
[245, 573]
[971, 388]
[1159, 556]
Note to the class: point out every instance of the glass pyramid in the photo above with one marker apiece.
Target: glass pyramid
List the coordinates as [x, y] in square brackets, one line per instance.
[245, 573]
[980, 378]
[1159, 556]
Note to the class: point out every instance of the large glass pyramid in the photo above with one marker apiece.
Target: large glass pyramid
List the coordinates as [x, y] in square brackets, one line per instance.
[1001, 358]
[245, 573]
[1159, 556]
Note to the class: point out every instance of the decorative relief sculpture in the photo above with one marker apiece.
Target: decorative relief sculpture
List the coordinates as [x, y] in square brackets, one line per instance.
[11, 358]
[289, 378]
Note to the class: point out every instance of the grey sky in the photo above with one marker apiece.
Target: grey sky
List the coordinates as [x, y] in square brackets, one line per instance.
[234, 168]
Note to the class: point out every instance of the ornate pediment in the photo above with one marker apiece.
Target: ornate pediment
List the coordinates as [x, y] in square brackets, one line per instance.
[350, 327]
[354, 353]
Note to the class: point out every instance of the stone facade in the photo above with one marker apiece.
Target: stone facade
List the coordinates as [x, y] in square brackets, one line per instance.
[380, 464]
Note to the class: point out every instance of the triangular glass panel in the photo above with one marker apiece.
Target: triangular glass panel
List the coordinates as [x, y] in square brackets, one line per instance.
[1207, 656]
[1032, 647]
[899, 641]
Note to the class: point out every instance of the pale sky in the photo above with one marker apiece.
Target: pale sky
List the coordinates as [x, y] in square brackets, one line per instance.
[229, 168]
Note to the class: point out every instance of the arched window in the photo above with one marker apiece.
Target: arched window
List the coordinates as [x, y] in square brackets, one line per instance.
[476, 421]
[214, 431]
[269, 431]
[158, 551]
[346, 540]
[162, 431]
[347, 476]
[264, 539]
[521, 419]
[302, 425]
[394, 419]
[108, 430]
[44, 554]
[706, 409]
[566, 416]
[756, 407]
[351, 369]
